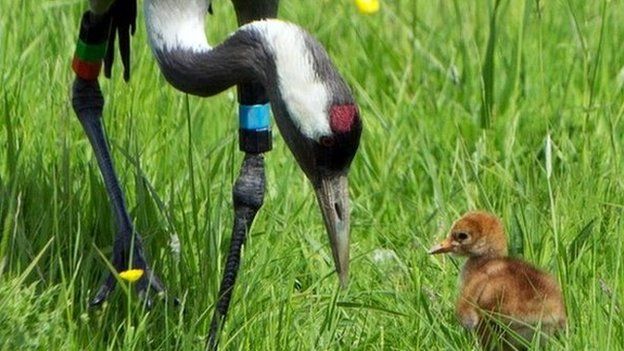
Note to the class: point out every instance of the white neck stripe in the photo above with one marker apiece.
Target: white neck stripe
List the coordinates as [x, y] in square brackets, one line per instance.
[176, 24]
[179, 25]
[303, 91]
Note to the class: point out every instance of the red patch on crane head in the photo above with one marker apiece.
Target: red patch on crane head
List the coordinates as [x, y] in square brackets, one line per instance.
[343, 117]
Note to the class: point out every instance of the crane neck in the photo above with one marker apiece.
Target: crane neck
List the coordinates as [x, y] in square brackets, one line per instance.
[178, 41]
[176, 24]
[295, 70]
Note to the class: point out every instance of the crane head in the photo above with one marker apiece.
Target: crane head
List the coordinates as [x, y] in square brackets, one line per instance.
[318, 118]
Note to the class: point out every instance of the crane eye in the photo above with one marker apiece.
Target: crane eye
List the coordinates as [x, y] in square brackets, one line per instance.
[461, 236]
[327, 141]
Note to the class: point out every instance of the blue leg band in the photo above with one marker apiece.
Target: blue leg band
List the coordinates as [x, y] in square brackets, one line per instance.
[254, 117]
[254, 132]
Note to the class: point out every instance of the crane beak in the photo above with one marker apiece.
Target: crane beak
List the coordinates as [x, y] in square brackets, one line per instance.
[332, 193]
[443, 247]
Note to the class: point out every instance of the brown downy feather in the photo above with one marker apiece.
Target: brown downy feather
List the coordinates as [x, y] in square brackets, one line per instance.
[504, 300]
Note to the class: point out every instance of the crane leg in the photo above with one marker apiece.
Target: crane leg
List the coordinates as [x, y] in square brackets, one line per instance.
[249, 188]
[88, 103]
[248, 196]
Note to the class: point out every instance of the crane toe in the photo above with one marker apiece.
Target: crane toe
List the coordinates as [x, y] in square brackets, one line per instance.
[147, 286]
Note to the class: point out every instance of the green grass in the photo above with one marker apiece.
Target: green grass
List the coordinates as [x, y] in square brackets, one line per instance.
[546, 77]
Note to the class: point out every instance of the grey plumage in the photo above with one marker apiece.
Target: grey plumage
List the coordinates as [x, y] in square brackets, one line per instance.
[312, 104]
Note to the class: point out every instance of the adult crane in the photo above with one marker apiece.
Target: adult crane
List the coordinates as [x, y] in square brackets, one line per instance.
[270, 61]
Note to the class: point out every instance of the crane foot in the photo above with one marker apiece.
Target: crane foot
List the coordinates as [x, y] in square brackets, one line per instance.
[123, 253]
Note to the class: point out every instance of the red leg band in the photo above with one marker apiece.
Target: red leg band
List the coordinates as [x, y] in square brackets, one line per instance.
[86, 69]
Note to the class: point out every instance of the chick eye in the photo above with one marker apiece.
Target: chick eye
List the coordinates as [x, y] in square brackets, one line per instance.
[327, 141]
[461, 236]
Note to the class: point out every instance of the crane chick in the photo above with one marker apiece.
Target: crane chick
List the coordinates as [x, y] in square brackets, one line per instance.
[504, 300]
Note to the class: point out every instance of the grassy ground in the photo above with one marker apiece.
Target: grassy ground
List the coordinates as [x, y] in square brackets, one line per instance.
[516, 108]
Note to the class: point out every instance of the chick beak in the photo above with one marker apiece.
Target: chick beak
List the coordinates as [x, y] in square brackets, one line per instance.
[443, 247]
[332, 192]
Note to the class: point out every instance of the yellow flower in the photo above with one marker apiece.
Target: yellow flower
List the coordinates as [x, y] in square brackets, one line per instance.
[131, 275]
[367, 6]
